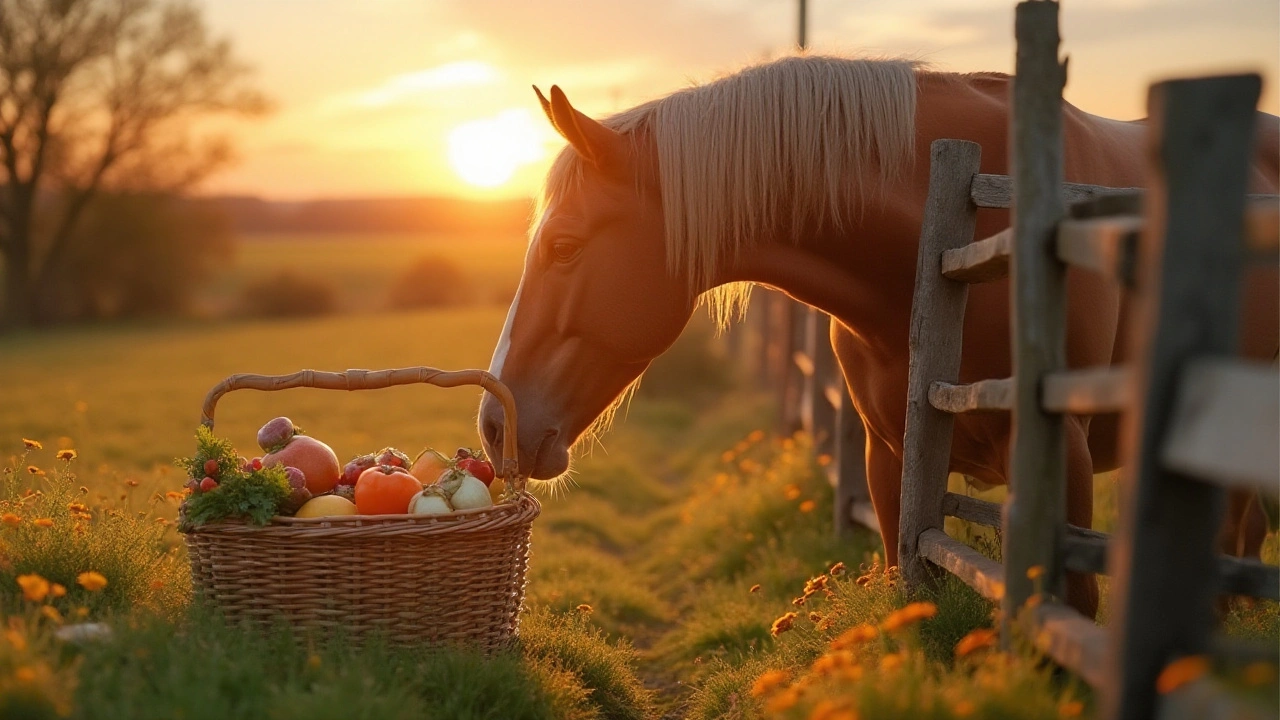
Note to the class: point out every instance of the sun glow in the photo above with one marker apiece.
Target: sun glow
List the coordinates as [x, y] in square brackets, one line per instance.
[487, 153]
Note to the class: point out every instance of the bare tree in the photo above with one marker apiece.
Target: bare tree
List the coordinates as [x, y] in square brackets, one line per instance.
[94, 95]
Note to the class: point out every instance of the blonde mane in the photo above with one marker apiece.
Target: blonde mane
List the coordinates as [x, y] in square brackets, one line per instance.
[772, 149]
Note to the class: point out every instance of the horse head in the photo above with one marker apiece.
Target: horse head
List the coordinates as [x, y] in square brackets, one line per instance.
[597, 301]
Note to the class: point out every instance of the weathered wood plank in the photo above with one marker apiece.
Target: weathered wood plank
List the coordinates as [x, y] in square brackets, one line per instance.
[1088, 391]
[981, 396]
[937, 323]
[1185, 303]
[978, 571]
[1036, 515]
[1239, 576]
[1072, 640]
[981, 261]
[1104, 245]
[996, 191]
[1226, 425]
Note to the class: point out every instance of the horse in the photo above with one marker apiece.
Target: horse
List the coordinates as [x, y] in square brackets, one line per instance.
[808, 175]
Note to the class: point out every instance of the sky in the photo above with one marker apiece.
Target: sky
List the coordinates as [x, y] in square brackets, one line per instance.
[380, 98]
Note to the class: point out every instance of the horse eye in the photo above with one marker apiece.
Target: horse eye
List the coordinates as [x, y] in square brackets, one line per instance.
[564, 252]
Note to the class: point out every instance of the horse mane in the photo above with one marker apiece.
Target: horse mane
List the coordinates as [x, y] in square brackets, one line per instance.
[777, 148]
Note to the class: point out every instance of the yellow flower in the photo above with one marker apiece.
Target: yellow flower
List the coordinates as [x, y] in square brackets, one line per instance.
[808, 506]
[831, 710]
[964, 708]
[1180, 672]
[585, 609]
[975, 640]
[32, 444]
[92, 581]
[52, 613]
[909, 615]
[755, 588]
[57, 590]
[770, 681]
[782, 624]
[172, 495]
[34, 587]
[1070, 709]
[25, 674]
[1259, 673]
[837, 570]
[10, 519]
[814, 584]
[67, 455]
[855, 636]
[784, 700]
[34, 470]
[1035, 571]
[832, 661]
[43, 522]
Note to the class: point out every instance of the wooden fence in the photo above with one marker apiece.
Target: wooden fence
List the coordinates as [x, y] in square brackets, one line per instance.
[1197, 420]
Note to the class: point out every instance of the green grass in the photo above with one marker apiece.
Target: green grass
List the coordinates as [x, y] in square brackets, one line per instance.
[640, 596]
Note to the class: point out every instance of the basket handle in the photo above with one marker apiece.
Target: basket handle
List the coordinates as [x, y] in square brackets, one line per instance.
[377, 379]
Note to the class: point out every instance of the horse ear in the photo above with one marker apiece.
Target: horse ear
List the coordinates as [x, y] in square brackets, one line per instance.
[593, 141]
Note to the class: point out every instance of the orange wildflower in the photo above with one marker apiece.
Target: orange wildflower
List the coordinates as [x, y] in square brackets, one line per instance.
[837, 570]
[43, 522]
[814, 584]
[34, 587]
[1070, 709]
[32, 444]
[814, 617]
[964, 708]
[1259, 673]
[67, 455]
[855, 636]
[976, 640]
[791, 492]
[808, 506]
[1035, 571]
[755, 436]
[799, 601]
[824, 460]
[1180, 672]
[25, 674]
[784, 700]
[726, 456]
[755, 588]
[831, 710]
[57, 590]
[10, 519]
[35, 470]
[52, 613]
[909, 615]
[173, 495]
[16, 639]
[92, 581]
[585, 609]
[832, 661]
[890, 662]
[770, 681]
[782, 624]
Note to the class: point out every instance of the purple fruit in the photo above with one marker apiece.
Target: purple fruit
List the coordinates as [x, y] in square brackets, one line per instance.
[393, 457]
[297, 478]
[351, 471]
[296, 499]
[276, 434]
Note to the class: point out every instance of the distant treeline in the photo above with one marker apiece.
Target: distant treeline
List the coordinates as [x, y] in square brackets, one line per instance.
[414, 214]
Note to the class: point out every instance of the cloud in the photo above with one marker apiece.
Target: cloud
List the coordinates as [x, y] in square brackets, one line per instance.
[419, 86]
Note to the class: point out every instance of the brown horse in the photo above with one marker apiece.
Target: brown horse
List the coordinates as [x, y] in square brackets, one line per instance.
[808, 175]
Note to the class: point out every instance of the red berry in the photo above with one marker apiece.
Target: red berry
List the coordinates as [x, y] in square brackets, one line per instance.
[211, 468]
[256, 463]
[208, 484]
[480, 468]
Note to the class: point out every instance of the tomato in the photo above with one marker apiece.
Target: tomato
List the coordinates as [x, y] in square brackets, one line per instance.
[385, 490]
[481, 469]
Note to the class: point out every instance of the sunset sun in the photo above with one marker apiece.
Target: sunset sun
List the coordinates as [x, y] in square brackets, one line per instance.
[487, 153]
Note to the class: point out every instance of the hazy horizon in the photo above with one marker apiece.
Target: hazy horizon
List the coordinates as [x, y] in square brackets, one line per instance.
[400, 98]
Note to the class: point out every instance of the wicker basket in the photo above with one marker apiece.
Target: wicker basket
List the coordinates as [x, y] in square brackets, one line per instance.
[455, 578]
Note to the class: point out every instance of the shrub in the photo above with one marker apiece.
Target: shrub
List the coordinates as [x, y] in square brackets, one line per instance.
[287, 294]
[432, 281]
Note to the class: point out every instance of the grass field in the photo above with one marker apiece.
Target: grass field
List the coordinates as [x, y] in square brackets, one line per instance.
[686, 536]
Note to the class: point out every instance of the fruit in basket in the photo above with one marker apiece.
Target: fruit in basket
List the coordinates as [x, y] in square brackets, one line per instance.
[211, 468]
[393, 457]
[354, 467]
[315, 459]
[481, 469]
[496, 490]
[276, 433]
[429, 465]
[327, 506]
[385, 490]
[297, 498]
[346, 491]
[208, 484]
[471, 494]
[430, 501]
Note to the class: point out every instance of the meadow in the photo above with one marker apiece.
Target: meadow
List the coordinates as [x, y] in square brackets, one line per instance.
[686, 570]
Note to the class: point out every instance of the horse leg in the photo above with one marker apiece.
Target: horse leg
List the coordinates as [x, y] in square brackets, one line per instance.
[884, 480]
[1082, 588]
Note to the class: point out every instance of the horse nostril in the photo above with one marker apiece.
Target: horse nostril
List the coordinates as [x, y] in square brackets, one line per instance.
[493, 435]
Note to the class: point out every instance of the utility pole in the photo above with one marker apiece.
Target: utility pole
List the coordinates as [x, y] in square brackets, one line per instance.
[804, 25]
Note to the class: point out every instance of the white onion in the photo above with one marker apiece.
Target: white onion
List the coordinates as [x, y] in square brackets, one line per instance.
[471, 494]
[429, 503]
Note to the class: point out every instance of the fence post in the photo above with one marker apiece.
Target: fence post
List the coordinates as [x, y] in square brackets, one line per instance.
[1035, 514]
[937, 323]
[1163, 553]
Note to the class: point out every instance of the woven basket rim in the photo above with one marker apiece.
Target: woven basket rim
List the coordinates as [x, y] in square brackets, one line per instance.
[522, 511]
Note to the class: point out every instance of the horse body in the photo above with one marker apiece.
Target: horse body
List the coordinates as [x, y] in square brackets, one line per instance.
[623, 251]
